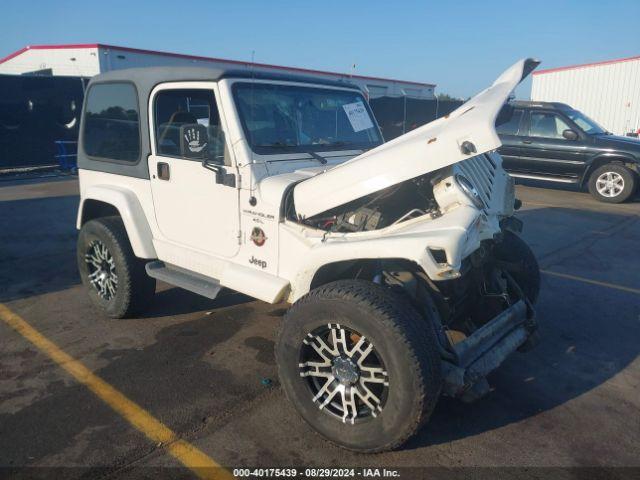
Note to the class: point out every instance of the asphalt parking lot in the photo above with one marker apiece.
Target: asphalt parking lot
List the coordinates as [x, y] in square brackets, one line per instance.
[205, 369]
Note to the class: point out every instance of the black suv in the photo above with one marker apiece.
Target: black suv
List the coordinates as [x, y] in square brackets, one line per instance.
[554, 142]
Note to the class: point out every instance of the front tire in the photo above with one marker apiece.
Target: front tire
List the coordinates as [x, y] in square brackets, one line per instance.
[359, 364]
[114, 277]
[612, 183]
[513, 249]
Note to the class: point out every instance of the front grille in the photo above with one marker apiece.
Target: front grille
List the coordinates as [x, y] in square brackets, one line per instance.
[481, 170]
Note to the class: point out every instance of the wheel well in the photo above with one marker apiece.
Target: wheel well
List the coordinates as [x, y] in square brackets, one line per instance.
[343, 270]
[407, 277]
[92, 209]
[599, 162]
[362, 268]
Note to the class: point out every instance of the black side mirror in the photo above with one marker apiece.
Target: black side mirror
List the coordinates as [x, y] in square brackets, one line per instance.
[570, 134]
[222, 177]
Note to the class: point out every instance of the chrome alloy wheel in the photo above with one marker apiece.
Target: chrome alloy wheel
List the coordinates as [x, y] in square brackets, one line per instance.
[344, 373]
[102, 270]
[610, 184]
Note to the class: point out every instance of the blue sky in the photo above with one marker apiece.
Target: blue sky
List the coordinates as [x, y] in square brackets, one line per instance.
[460, 45]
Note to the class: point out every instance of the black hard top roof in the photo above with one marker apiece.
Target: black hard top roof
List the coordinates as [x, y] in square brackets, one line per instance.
[148, 77]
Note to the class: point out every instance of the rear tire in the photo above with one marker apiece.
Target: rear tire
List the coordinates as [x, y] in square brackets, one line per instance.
[403, 351]
[612, 183]
[114, 277]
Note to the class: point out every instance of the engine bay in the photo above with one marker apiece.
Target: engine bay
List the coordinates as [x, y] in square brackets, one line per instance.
[397, 203]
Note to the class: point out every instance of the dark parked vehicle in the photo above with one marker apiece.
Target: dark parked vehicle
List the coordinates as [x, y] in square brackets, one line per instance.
[554, 142]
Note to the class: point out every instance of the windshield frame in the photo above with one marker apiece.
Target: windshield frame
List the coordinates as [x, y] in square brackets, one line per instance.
[313, 148]
[586, 119]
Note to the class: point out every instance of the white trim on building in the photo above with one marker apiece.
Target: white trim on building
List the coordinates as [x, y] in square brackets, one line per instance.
[86, 60]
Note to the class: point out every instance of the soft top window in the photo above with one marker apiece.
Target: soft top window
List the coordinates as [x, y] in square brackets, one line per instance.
[111, 122]
[187, 125]
[288, 118]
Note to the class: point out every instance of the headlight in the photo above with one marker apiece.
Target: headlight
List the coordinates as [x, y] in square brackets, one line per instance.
[470, 190]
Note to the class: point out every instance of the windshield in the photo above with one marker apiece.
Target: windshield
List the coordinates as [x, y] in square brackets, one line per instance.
[585, 123]
[287, 118]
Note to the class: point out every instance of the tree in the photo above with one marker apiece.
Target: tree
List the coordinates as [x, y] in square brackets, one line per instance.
[446, 97]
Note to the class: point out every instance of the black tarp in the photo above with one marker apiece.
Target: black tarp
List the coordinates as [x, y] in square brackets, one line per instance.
[35, 112]
[398, 115]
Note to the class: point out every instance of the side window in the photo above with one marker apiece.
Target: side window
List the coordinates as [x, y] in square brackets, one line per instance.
[111, 122]
[547, 125]
[508, 122]
[187, 125]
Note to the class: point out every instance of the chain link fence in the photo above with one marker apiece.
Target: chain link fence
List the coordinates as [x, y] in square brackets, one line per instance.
[399, 115]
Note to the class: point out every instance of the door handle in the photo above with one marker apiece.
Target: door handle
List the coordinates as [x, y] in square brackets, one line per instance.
[163, 171]
[527, 141]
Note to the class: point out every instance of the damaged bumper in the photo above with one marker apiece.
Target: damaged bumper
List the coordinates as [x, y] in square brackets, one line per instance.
[484, 350]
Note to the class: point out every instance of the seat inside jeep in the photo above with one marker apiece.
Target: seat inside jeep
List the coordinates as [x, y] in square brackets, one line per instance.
[169, 132]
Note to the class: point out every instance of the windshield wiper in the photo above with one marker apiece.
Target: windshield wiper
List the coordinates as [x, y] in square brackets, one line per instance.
[278, 144]
[322, 160]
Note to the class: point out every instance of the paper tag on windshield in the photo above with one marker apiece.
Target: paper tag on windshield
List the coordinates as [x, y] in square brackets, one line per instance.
[358, 116]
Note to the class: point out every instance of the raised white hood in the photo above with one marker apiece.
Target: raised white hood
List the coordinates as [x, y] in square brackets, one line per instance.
[423, 150]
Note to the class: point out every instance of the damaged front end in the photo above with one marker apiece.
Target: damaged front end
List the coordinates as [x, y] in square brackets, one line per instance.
[431, 215]
[480, 318]
[483, 351]
[478, 182]
[486, 316]
[452, 260]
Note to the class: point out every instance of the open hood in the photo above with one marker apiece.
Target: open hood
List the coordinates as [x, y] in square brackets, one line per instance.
[465, 132]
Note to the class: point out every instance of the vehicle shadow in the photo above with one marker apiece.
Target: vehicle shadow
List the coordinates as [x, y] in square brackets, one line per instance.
[566, 187]
[589, 332]
[582, 347]
[176, 301]
[37, 256]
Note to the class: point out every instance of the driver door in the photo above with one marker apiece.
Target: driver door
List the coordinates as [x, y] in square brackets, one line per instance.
[192, 209]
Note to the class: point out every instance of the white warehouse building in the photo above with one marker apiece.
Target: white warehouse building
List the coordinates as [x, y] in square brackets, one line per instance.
[608, 92]
[87, 60]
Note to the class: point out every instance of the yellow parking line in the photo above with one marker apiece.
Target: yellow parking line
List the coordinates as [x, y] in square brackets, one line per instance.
[592, 282]
[197, 461]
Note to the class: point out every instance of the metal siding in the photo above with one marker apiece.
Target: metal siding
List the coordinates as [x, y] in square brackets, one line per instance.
[58, 60]
[608, 93]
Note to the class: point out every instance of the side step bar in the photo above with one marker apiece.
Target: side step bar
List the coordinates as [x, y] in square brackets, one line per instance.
[545, 178]
[194, 282]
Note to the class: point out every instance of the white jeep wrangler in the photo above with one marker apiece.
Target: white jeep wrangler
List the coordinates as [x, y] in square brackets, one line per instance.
[401, 260]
